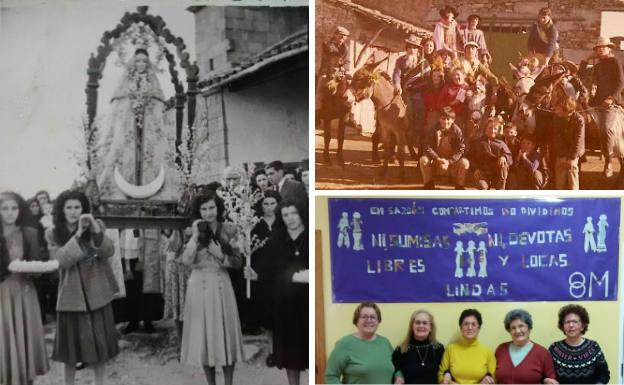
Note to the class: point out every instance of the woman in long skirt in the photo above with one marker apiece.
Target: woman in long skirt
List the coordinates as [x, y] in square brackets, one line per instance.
[211, 334]
[288, 249]
[85, 328]
[22, 348]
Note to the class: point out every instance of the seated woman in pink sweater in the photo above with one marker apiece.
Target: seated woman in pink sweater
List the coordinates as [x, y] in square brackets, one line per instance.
[522, 361]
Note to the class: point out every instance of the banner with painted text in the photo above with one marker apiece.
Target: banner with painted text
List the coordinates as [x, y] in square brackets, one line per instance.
[455, 250]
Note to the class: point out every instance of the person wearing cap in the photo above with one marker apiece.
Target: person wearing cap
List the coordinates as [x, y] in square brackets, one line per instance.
[410, 70]
[543, 36]
[446, 33]
[608, 78]
[444, 152]
[472, 34]
[473, 67]
[334, 66]
[335, 53]
[491, 158]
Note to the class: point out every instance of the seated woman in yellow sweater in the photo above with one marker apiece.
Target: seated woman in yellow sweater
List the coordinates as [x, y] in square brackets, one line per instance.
[468, 362]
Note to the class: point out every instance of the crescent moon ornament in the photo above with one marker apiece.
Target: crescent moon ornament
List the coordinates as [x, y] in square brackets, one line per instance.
[140, 192]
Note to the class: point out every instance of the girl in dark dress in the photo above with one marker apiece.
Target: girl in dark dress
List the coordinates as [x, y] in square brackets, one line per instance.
[417, 359]
[261, 295]
[289, 255]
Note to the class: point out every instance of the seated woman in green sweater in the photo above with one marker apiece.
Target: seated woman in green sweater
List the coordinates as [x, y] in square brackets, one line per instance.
[468, 362]
[363, 357]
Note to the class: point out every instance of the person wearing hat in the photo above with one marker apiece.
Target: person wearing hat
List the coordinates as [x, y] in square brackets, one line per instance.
[543, 36]
[472, 33]
[334, 66]
[608, 78]
[444, 152]
[473, 67]
[446, 33]
[410, 70]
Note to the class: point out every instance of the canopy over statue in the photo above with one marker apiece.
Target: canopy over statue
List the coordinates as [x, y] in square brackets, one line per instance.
[135, 154]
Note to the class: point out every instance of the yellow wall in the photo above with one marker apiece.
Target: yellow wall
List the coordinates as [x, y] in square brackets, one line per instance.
[604, 316]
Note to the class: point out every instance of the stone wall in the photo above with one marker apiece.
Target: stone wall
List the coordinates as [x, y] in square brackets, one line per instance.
[578, 20]
[228, 36]
[362, 28]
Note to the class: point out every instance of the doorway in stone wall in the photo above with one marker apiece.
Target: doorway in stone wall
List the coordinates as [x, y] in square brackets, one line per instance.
[505, 45]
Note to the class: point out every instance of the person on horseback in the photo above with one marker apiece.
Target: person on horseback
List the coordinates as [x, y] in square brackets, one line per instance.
[333, 70]
[543, 36]
[473, 67]
[444, 152]
[608, 79]
[409, 78]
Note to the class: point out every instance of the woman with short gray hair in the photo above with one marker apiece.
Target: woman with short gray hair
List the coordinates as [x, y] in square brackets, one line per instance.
[521, 361]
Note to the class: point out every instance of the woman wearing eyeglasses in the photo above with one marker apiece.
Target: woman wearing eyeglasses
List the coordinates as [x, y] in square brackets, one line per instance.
[522, 361]
[363, 357]
[578, 360]
[467, 361]
[417, 359]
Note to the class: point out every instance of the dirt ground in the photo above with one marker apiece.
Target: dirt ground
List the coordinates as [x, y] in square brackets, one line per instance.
[151, 359]
[359, 172]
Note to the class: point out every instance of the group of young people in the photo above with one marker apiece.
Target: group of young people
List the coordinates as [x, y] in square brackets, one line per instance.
[365, 357]
[86, 332]
[453, 98]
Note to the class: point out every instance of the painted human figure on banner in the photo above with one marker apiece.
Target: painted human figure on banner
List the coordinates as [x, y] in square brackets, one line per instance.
[343, 231]
[357, 231]
[137, 142]
[588, 230]
[459, 250]
[482, 260]
[601, 246]
[470, 272]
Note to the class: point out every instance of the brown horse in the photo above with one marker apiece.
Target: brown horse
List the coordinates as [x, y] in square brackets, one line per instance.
[391, 110]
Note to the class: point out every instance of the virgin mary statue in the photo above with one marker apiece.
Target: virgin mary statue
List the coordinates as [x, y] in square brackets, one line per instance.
[138, 143]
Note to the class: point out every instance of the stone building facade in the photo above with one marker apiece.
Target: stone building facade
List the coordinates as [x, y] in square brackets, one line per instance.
[578, 21]
[252, 106]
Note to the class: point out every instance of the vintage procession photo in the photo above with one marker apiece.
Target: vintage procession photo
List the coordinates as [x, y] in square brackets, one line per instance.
[154, 194]
[489, 95]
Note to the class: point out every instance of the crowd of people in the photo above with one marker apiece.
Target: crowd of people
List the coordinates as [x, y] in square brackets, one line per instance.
[366, 357]
[204, 270]
[453, 98]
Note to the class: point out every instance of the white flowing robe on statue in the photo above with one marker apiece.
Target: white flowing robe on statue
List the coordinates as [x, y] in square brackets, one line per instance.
[137, 94]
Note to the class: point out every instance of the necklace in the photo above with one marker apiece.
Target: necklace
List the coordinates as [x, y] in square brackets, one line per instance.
[422, 359]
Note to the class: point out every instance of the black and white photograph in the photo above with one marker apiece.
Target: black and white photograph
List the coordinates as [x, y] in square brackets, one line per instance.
[154, 193]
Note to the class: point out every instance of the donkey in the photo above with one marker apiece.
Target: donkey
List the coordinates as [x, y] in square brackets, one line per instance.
[334, 106]
[391, 110]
